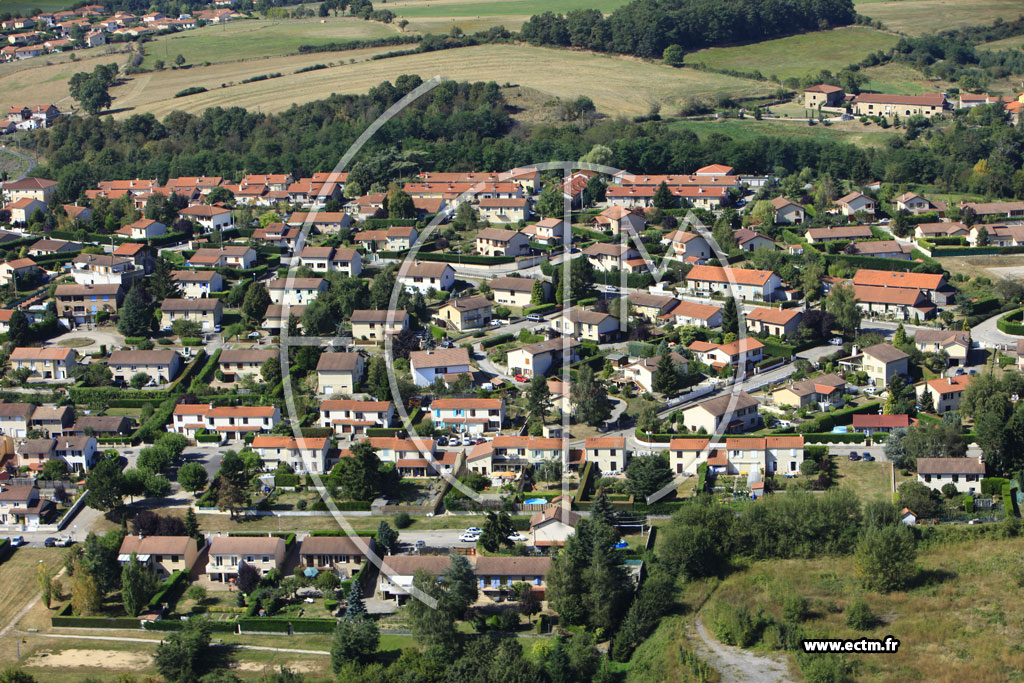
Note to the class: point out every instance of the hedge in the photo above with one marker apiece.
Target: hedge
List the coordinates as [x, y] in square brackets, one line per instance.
[1010, 323]
[1010, 500]
[844, 416]
[777, 349]
[353, 505]
[175, 583]
[280, 625]
[968, 503]
[702, 477]
[540, 310]
[316, 432]
[286, 479]
[592, 234]
[975, 251]
[500, 339]
[993, 486]
[463, 258]
[288, 536]
[207, 438]
[66, 619]
[835, 437]
[342, 532]
[177, 625]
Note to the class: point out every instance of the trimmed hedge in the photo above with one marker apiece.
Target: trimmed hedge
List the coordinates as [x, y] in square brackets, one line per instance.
[353, 505]
[177, 625]
[170, 590]
[833, 437]
[540, 310]
[1011, 322]
[280, 625]
[289, 537]
[464, 258]
[68, 620]
[844, 416]
[500, 339]
[993, 486]
[1010, 500]
[286, 479]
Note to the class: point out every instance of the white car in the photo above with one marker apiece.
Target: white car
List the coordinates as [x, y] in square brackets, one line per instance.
[475, 530]
[468, 538]
[18, 541]
[517, 537]
[836, 341]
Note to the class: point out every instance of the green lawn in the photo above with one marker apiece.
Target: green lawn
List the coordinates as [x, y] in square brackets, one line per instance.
[253, 39]
[17, 8]
[869, 480]
[1014, 43]
[799, 55]
[748, 129]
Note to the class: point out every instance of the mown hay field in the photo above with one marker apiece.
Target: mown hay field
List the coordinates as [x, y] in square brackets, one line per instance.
[796, 56]
[920, 17]
[257, 39]
[617, 85]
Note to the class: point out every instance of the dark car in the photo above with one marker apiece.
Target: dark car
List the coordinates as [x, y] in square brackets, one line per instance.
[50, 542]
[868, 457]
[853, 456]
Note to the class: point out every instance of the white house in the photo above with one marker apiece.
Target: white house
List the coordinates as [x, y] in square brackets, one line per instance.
[423, 276]
[429, 365]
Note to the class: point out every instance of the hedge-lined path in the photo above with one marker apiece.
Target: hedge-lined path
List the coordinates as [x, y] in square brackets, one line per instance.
[156, 641]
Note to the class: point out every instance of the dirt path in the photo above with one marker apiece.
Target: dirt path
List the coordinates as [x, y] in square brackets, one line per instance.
[736, 665]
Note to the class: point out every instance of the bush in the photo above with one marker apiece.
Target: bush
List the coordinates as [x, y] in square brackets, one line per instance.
[403, 520]
[194, 90]
[795, 609]
[859, 616]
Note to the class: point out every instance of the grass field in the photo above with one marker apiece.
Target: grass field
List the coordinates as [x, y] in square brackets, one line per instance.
[611, 82]
[260, 39]
[438, 16]
[23, 7]
[869, 480]
[11, 165]
[46, 83]
[799, 55]
[918, 17]
[959, 622]
[853, 132]
[1013, 43]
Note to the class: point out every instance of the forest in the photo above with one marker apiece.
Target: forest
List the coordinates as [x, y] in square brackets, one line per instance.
[646, 27]
[463, 126]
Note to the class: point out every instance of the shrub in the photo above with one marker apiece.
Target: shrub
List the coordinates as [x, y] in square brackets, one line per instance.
[403, 520]
[859, 616]
[795, 609]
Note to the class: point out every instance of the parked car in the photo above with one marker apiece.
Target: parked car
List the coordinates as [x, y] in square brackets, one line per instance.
[50, 542]
[474, 530]
[17, 541]
[535, 318]
[521, 378]
[421, 543]
[442, 441]
[517, 537]
[836, 341]
[853, 456]
[868, 457]
[468, 538]
[65, 542]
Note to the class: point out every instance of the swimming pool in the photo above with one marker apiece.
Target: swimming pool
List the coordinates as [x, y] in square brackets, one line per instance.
[536, 501]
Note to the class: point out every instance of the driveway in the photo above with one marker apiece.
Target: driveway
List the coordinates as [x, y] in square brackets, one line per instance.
[988, 335]
[97, 337]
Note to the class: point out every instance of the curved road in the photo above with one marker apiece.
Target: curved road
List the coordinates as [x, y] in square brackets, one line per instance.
[30, 160]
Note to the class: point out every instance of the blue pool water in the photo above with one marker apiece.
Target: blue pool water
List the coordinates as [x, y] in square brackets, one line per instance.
[536, 501]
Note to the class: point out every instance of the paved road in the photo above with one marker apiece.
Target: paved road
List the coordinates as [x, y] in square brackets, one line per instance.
[987, 335]
[30, 160]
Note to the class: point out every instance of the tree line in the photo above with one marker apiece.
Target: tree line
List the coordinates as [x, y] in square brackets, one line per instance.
[647, 27]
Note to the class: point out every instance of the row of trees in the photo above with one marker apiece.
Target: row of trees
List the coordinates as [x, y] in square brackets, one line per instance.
[646, 27]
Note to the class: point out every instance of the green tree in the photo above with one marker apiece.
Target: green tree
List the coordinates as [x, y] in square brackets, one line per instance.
[86, 598]
[138, 380]
[387, 538]
[270, 371]
[45, 583]
[136, 314]
[730, 317]
[255, 304]
[179, 60]
[433, 626]
[885, 558]
[647, 474]
[589, 399]
[601, 509]
[359, 474]
[551, 203]
[460, 583]
[192, 529]
[537, 296]
[538, 397]
[666, 380]
[180, 656]
[105, 484]
[91, 90]
[19, 331]
[841, 303]
[400, 204]
[899, 337]
[663, 197]
[496, 530]
[192, 477]
[673, 55]
[698, 542]
[811, 274]
[138, 585]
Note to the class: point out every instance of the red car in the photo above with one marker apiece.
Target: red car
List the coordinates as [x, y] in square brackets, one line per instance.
[520, 378]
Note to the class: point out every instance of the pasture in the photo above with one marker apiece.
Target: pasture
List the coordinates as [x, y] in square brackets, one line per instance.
[919, 17]
[797, 56]
[17, 8]
[259, 39]
[611, 82]
[852, 132]
[438, 16]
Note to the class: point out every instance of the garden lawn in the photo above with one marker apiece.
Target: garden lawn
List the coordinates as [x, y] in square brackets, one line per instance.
[869, 480]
